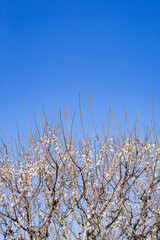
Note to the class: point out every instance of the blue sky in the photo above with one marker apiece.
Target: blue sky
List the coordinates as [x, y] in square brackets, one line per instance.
[49, 49]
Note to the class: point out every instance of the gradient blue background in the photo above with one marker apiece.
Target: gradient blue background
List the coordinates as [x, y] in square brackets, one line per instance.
[50, 49]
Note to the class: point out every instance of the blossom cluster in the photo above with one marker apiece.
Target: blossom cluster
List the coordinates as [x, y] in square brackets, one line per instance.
[60, 190]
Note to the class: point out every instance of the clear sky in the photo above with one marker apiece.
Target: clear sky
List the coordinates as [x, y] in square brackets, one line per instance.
[49, 49]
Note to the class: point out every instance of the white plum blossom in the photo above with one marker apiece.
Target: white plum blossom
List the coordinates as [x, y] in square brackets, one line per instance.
[55, 189]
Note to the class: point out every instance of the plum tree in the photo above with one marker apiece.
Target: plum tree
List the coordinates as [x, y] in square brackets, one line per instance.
[52, 187]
